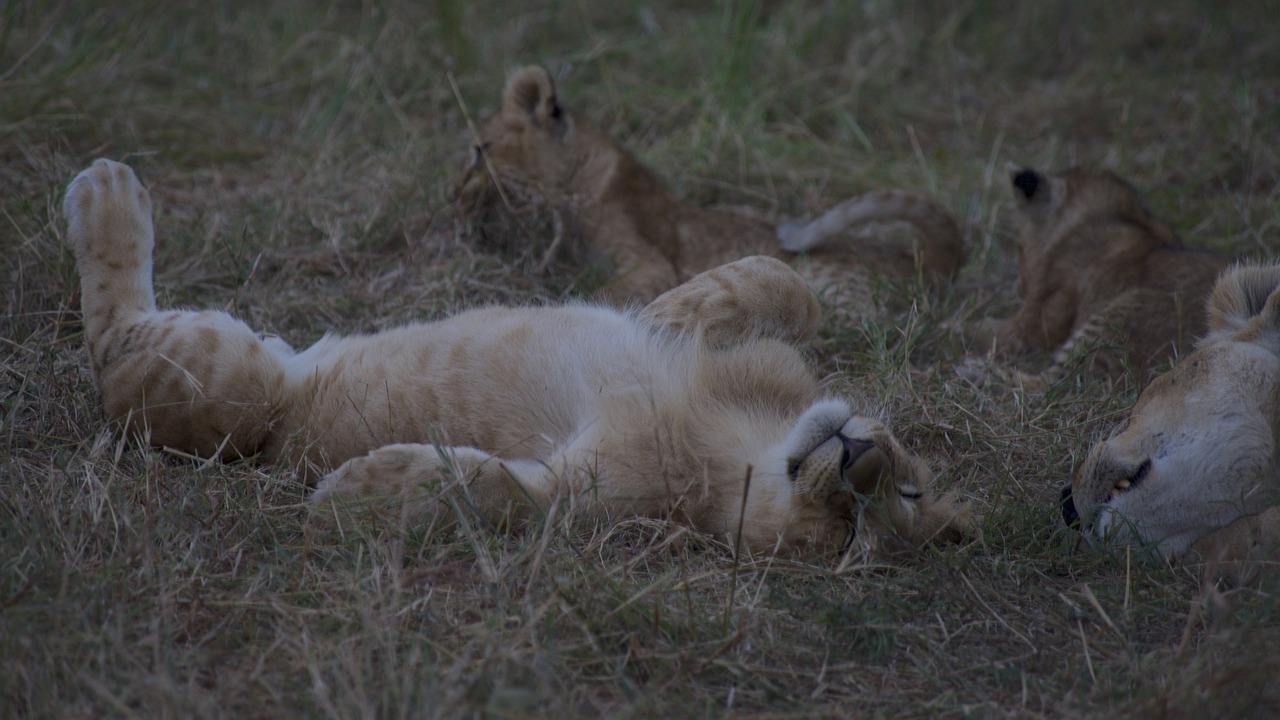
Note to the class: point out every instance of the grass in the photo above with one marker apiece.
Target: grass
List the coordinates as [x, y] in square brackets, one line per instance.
[301, 156]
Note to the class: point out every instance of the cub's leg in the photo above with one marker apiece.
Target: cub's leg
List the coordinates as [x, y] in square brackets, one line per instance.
[1140, 330]
[1004, 338]
[840, 277]
[1137, 331]
[640, 272]
[749, 298]
[198, 381]
[415, 477]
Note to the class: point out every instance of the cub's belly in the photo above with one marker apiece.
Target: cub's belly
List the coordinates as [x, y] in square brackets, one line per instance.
[515, 383]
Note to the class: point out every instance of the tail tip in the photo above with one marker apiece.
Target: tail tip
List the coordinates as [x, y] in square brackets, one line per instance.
[789, 236]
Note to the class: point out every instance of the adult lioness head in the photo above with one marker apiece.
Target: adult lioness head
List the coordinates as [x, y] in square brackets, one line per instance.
[1201, 446]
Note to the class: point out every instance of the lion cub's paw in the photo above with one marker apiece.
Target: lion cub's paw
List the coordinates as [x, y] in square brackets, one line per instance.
[407, 476]
[417, 480]
[106, 203]
[980, 371]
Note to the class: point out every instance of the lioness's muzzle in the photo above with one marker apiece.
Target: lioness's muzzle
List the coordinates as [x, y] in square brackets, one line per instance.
[1068, 506]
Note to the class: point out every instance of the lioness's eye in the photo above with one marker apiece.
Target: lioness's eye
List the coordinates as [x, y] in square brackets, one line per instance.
[909, 492]
[793, 468]
[1141, 473]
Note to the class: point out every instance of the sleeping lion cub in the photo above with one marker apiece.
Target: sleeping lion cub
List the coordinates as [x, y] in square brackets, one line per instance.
[1097, 269]
[654, 241]
[675, 410]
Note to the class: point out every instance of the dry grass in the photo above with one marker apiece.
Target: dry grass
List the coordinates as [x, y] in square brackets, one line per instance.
[302, 156]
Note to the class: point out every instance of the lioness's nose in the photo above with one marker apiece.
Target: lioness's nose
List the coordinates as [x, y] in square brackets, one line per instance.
[1068, 506]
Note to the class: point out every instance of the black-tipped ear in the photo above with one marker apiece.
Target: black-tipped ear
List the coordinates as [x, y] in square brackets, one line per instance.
[1028, 182]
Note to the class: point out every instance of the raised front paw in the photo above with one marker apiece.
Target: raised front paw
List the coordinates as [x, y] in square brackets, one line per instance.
[108, 214]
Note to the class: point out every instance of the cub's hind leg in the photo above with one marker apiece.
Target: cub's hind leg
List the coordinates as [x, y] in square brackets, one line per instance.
[202, 382]
[1139, 330]
[750, 298]
[841, 278]
[415, 477]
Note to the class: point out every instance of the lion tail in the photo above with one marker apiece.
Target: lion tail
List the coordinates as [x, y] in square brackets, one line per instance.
[942, 250]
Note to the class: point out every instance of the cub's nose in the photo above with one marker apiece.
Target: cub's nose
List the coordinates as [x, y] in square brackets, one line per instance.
[852, 450]
[1068, 507]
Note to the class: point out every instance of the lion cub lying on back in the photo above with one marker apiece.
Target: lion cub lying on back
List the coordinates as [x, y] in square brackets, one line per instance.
[679, 409]
[654, 241]
[1096, 267]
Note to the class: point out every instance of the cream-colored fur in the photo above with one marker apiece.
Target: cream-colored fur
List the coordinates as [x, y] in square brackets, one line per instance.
[673, 410]
[1097, 270]
[654, 241]
[1197, 463]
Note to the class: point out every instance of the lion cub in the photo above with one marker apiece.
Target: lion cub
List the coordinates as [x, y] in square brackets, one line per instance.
[1096, 268]
[699, 406]
[654, 241]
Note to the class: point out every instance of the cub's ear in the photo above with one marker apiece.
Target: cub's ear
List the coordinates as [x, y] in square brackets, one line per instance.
[530, 91]
[1028, 184]
[1245, 298]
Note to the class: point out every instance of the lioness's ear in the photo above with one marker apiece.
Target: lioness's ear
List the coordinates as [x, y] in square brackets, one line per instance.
[1244, 295]
[531, 91]
[1269, 318]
